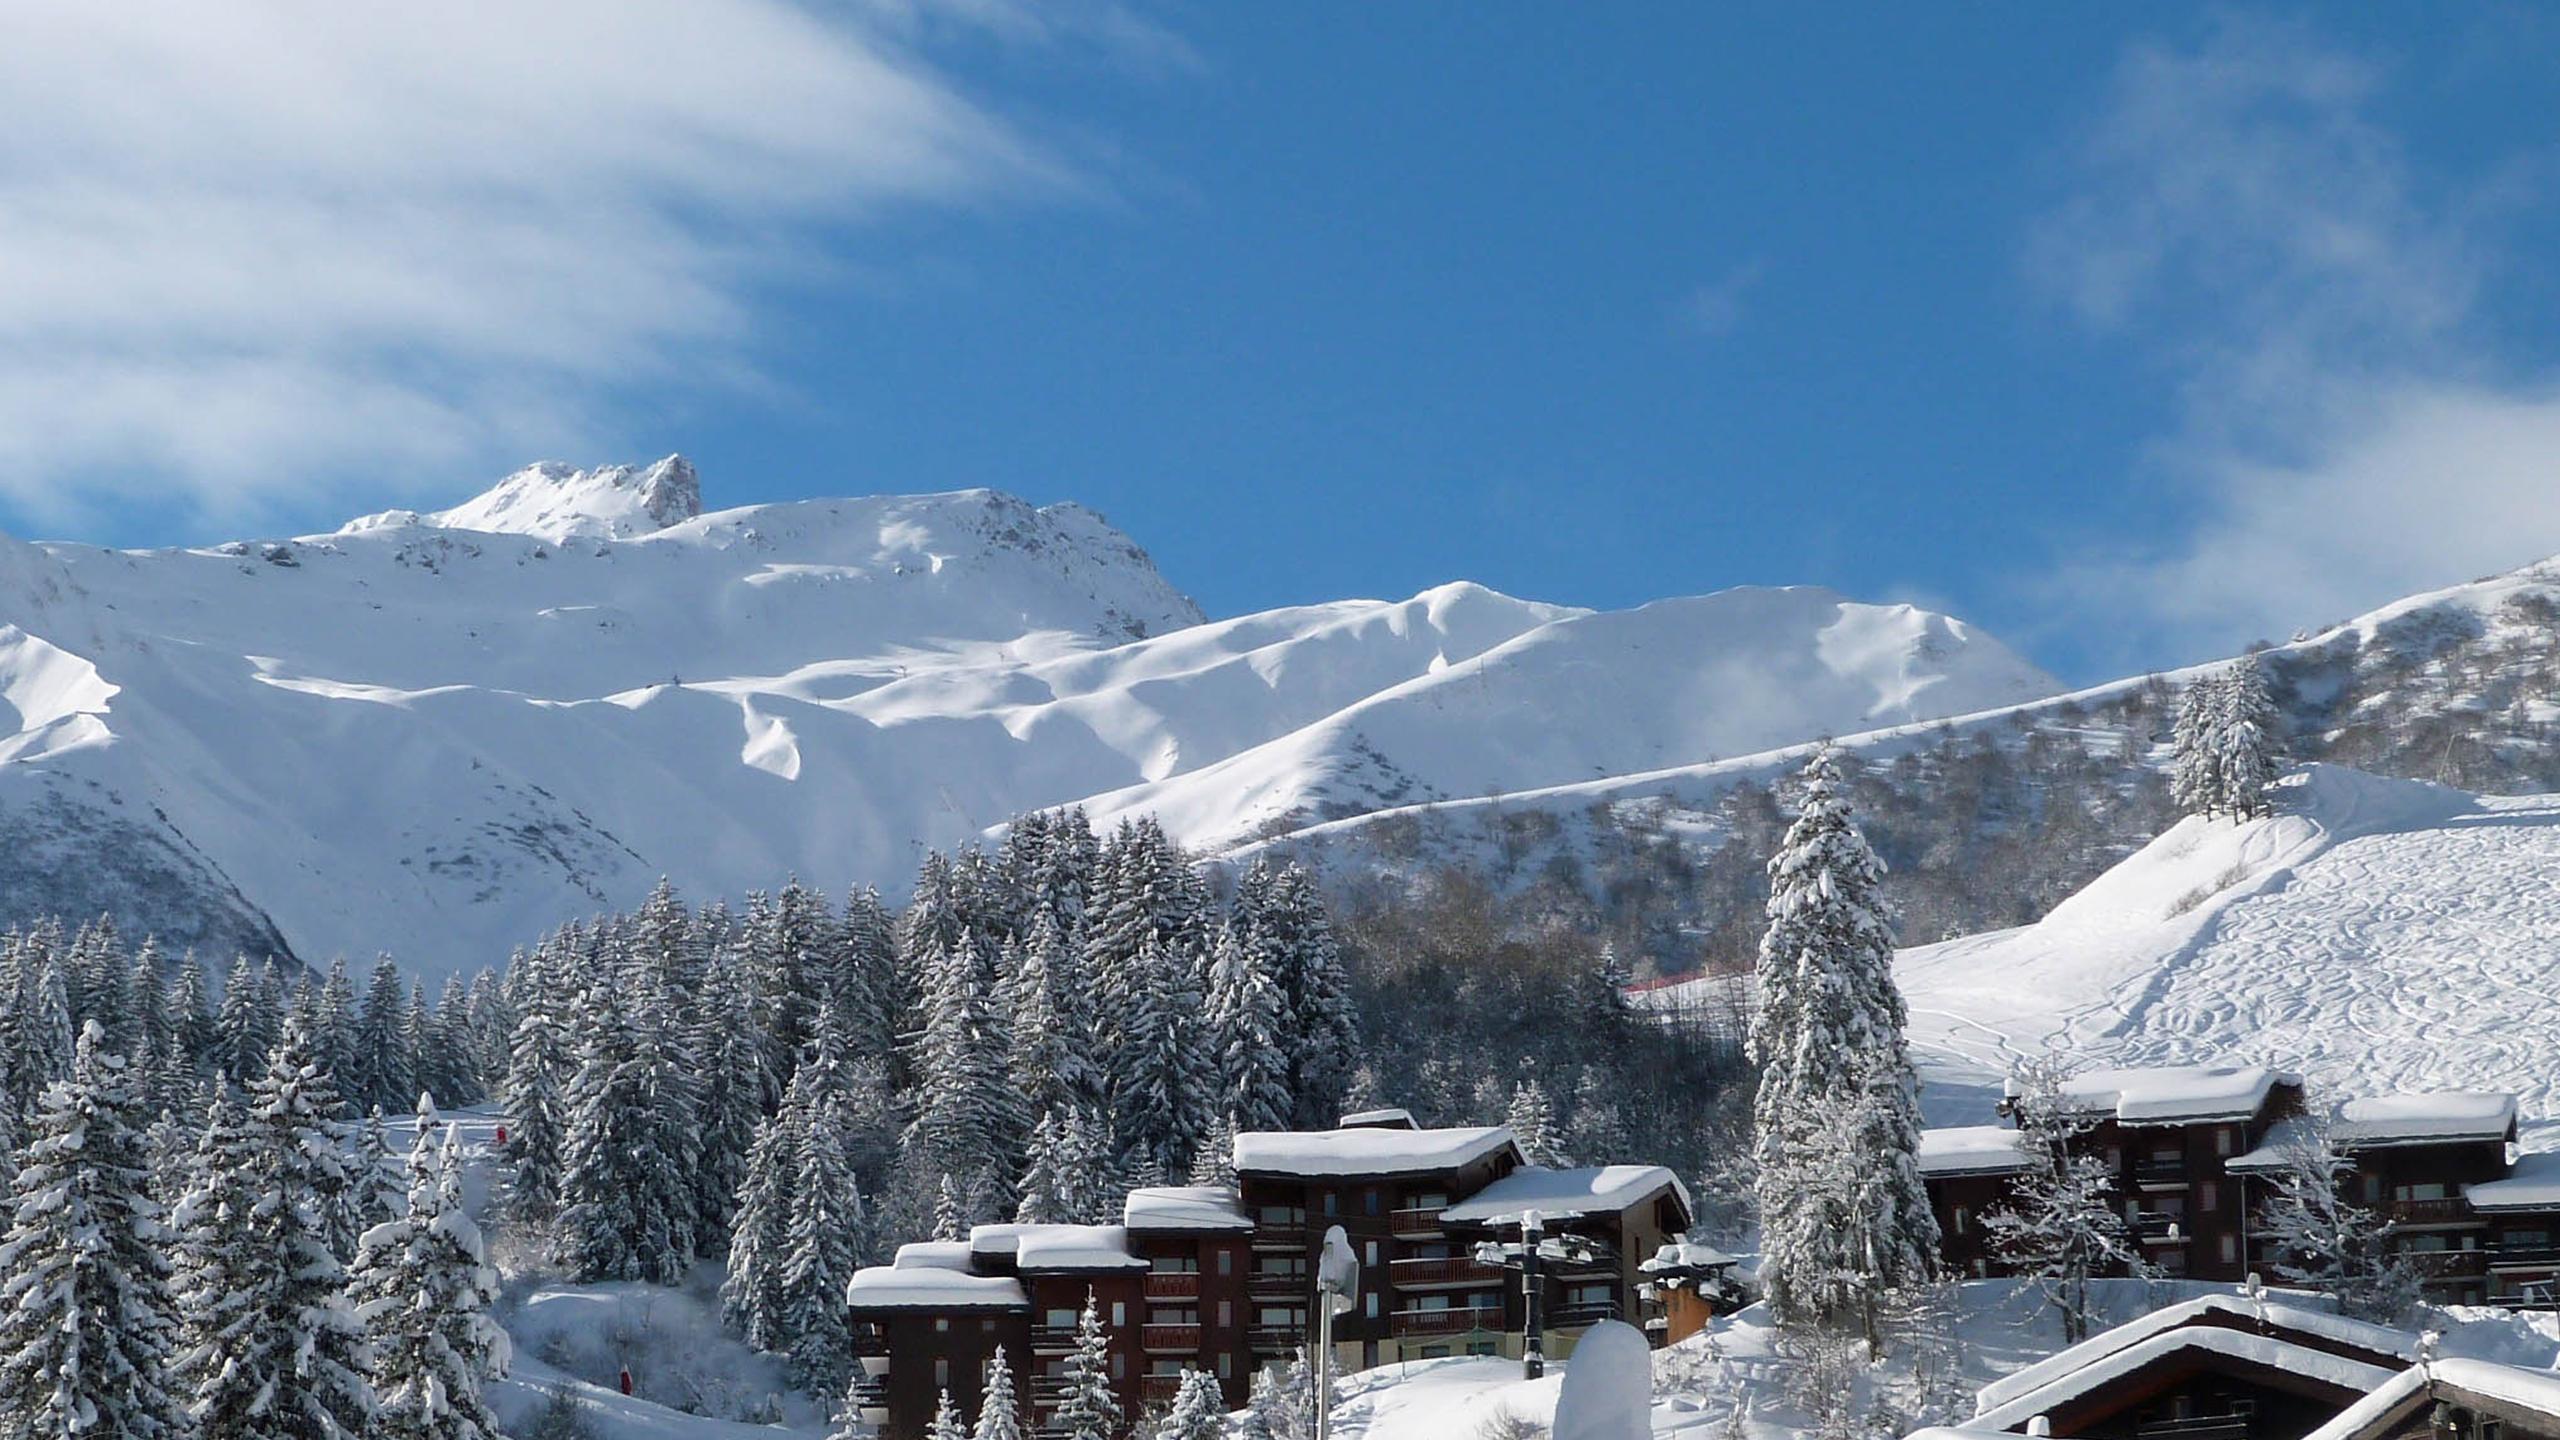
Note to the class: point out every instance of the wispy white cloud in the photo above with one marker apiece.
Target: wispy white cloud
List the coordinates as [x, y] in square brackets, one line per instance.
[245, 248]
[2350, 430]
[1718, 307]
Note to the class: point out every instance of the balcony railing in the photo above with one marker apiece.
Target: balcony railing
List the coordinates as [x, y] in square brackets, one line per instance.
[1280, 1217]
[1415, 1220]
[1173, 1285]
[1566, 1317]
[873, 1342]
[1456, 1320]
[1159, 1389]
[2154, 1228]
[2524, 1255]
[2196, 1427]
[2447, 1264]
[1171, 1339]
[1275, 1339]
[1275, 1285]
[2160, 1173]
[1053, 1337]
[1452, 1270]
[2428, 1211]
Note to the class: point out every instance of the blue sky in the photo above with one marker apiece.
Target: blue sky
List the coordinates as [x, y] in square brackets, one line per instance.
[2129, 334]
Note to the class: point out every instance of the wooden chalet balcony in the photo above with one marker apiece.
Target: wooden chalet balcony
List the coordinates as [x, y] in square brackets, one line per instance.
[2524, 1255]
[1274, 1339]
[2154, 1228]
[2160, 1174]
[1275, 1285]
[1456, 1320]
[1159, 1389]
[2448, 1264]
[2196, 1427]
[870, 1342]
[1453, 1270]
[1567, 1317]
[2428, 1212]
[1173, 1285]
[1170, 1339]
[1053, 1337]
[1419, 1220]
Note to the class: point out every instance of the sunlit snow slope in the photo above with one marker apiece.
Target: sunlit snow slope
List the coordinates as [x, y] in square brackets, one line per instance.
[2376, 934]
[440, 734]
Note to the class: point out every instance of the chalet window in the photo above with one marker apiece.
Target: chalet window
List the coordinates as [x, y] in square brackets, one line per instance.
[1435, 1352]
[1226, 1262]
[941, 1323]
[1060, 1319]
[2208, 1195]
[1332, 1203]
[1164, 1367]
[2429, 1190]
[2115, 1158]
[1119, 1312]
[2222, 1140]
[1175, 1265]
[1226, 1366]
[1119, 1365]
[1479, 1347]
[1372, 1310]
[2525, 1240]
[2372, 1188]
[1369, 1201]
[942, 1372]
[2230, 1250]
[1369, 1253]
[1962, 1215]
[1428, 1200]
[987, 1327]
[1278, 1317]
[1226, 1313]
[1173, 1314]
[1485, 1300]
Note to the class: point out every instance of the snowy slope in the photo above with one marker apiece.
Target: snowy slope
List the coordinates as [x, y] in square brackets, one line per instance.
[444, 733]
[2377, 935]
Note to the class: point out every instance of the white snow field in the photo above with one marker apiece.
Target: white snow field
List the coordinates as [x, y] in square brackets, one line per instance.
[2375, 935]
[443, 734]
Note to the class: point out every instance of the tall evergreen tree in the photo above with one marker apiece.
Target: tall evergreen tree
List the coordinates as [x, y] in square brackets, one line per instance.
[384, 1074]
[1243, 1017]
[1199, 1410]
[825, 1227]
[1088, 1410]
[535, 1090]
[1827, 1034]
[1532, 1121]
[86, 1322]
[999, 1412]
[1162, 1095]
[191, 1013]
[424, 1289]
[627, 1204]
[273, 1351]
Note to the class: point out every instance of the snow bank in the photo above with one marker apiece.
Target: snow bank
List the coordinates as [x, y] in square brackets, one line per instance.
[1608, 1389]
[2534, 1184]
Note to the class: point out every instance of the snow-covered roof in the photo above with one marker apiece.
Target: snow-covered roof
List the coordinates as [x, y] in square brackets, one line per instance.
[1971, 1150]
[2174, 1094]
[2272, 1153]
[2268, 1351]
[1366, 1151]
[2293, 1312]
[1682, 1255]
[1185, 1207]
[931, 1287]
[1057, 1247]
[2534, 1184]
[1564, 1194]
[932, 1255]
[1386, 1117]
[2479, 1380]
[2434, 1115]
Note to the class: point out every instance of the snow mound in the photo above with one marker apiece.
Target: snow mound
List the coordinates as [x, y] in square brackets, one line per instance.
[1608, 1392]
[2376, 936]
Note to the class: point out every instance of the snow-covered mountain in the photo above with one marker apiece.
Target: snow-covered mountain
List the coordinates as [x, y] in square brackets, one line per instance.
[2376, 935]
[443, 733]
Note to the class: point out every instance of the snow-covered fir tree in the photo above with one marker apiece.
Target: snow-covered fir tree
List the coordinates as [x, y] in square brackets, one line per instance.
[729, 1112]
[948, 1421]
[627, 1204]
[1199, 1410]
[950, 1212]
[2249, 739]
[1595, 1132]
[1531, 1118]
[40, 1038]
[1052, 1030]
[2061, 1227]
[1243, 1019]
[1279, 913]
[1836, 1120]
[423, 1288]
[999, 1412]
[966, 1109]
[384, 1075]
[2313, 1236]
[1087, 1409]
[1162, 1096]
[86, 1319]
[535, 1088]
[1216, 1162]
[752, 1295]
[823, 1236]
[272, 1349]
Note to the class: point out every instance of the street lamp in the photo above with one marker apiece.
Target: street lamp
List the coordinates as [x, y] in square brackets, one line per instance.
[1337, 1283]
[1530, 1255]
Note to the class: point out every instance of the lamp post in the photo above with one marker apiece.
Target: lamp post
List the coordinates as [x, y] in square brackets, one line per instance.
[1529, 1256]
[1337, 1282]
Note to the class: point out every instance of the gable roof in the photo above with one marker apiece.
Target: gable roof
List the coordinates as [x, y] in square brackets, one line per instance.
[2174, 1094]
[2476, 1383]
[1566, 1194]
[2239, 1349]
[1185, 1207]
[1361, 1151]
[2288, 1314]
[1952, 1150]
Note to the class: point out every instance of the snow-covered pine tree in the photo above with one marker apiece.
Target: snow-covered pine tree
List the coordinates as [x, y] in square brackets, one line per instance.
[423, 1289]
[41, 1040]
[2060, 1227]
[448, 1060]
[1052, 1024]
[333, 1034]
[948, 1422]
[1087, 1410]
[950, 1212]
[627, 1205]
[1531, 1119]
[1244, 1022]
[384, 1076]
[2249, 739]
[534, 1091]
[2195, 746]
[731, 1093]
[272, 1349]
[1827, 1034]
[966, 1107]
[1271, 1411]
[191, 1012]
[1163, 1094]
[2316, 1238]
[1596, 1131]
[86, 1319]
[846, 1423]
[999, 1412]
[147, 1001]
[1038, 1189]
[1286, 920]
[874, 1001]
[823, 1238]
[1089, 1187]
[1199, 1410]
[95, 970]
[751, 1298]
[1216, 1162]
